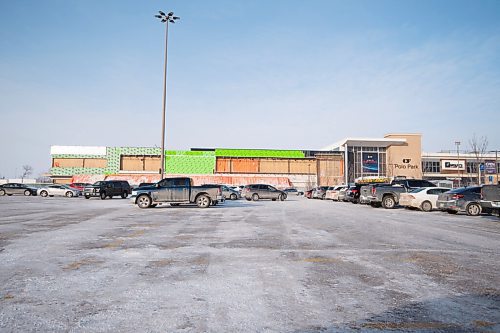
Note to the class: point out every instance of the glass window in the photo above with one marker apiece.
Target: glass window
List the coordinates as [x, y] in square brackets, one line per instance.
[165, 183]
[471, 167]
[431, 166]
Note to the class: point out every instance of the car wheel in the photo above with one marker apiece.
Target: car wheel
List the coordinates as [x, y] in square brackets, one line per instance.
[27, 193]
[44, 194]
[248, 199]
[103, 195]
[233, 196]
[87, 196]
[255, 197]
[473, 209]
[388, 202]
[426, 206]
[124, 195]
[2, 193]
[449, 211]
[203, 201]
[144, 201]
[69, 194]
[281, 197]
[323, 197]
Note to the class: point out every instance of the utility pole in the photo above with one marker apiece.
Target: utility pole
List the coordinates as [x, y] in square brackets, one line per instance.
[457, 143]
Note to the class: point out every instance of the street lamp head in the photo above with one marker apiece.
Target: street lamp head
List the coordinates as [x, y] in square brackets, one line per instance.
[161, 13]
[175, 17]
[171, 21]
[158, 16]
[171, 14]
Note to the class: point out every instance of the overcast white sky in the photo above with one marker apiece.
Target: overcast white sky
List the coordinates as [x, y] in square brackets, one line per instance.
[245, 74]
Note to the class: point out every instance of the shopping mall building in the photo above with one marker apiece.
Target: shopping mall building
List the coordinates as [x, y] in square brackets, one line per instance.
[343, 162]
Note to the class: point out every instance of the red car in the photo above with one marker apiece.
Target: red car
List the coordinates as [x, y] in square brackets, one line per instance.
[79, 186]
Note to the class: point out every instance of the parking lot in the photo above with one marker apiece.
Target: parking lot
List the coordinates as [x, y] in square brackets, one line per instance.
[70, 264]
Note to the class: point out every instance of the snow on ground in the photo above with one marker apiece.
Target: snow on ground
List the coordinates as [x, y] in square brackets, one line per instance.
[70, 264]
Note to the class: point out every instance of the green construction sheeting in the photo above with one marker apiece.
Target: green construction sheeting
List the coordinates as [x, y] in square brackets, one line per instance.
[259, 153]
[56, 171]
[188, 164]
[189, 153]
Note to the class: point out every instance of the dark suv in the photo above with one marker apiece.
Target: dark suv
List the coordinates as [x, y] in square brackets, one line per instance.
[262, 191]
[107, 188]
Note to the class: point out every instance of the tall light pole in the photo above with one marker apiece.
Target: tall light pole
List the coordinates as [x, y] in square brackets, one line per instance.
[165, 18]
[457, 143]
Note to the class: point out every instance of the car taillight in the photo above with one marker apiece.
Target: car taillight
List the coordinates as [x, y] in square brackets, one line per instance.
[457, 196]
[354, 191]
[374, 190]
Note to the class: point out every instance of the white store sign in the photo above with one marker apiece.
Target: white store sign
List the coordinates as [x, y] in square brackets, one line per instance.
[453, 165]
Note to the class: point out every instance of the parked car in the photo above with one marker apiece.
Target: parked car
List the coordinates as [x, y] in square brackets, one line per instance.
[108, 189]
[366, 190]
[490, 198]
[79, 186]
[227, 192]
[319, 192]
[262, 191]
[17, 189]
[177, 191]
[332, 193]
[353, 193]
[388, 196]
[462, 199]
[58, 190]
[293, 190]
[423, 198]
[342, 194]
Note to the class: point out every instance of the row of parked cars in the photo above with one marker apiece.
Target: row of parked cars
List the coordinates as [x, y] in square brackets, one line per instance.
[169, 190]
[414, 193]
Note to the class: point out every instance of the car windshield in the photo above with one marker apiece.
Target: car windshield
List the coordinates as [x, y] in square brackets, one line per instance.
[98, 183]
[420, 189]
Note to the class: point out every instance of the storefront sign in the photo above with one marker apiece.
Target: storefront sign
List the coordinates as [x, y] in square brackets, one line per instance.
[372, 180]
[489, 167]
[454, 165]
[370, 162]
[407, 164]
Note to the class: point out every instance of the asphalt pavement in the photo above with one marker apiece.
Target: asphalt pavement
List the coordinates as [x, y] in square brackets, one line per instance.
[76, 265]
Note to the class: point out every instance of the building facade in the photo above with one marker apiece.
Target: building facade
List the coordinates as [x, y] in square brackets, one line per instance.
[394, 155]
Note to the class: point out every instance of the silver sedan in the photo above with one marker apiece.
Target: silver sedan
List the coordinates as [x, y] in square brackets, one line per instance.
[59, 190]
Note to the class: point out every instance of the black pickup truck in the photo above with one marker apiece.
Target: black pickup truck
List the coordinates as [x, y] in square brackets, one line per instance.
[490, 199]
[176, 191]
[388, 196]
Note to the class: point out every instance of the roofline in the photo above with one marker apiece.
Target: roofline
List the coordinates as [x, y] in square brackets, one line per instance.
[385, 142]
